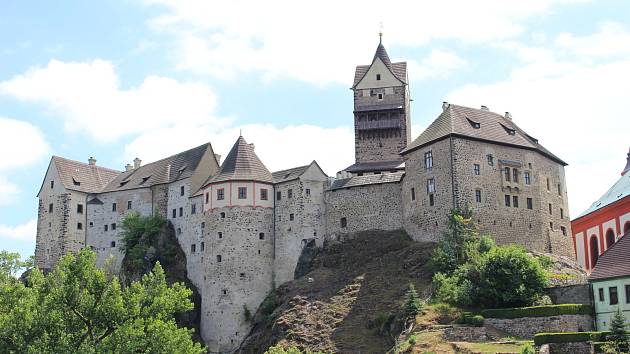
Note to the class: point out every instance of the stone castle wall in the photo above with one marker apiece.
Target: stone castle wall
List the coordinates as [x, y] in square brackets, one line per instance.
[371, 207]
[241, 278]
[527, 327]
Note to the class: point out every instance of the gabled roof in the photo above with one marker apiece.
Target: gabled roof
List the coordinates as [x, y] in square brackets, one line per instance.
[399, 70]
[163, 171]
[618, 191]
[242, 164]
[83, 177]
[357, 181]
[375, 166]
[477, 124]
[293, 173]
[614, 262]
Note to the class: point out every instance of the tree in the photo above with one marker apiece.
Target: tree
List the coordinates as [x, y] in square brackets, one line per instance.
[413, 305]
[617, 340]
[138, 233]
[11, 264]
[79, 308]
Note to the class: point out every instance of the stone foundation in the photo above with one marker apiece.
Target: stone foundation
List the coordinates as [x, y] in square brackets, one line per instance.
[527, 327]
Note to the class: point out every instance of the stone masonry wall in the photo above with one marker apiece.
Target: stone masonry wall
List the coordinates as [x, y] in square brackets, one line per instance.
[372, 207]
[526, 327]
[242, 277]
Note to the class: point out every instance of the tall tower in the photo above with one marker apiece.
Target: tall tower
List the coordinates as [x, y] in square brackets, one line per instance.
[381, 114]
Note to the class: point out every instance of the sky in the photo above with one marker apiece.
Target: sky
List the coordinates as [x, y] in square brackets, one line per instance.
[121, 79]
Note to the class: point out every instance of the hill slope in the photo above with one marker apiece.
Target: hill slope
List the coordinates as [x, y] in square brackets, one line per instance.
[350, 301]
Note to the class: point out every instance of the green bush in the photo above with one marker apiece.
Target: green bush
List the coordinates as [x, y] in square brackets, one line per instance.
[567, 337]
[528, 349]
[539, 311]
[477, 320]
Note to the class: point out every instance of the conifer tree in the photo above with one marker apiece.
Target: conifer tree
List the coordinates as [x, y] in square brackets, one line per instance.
[618, 335]
[413, 305]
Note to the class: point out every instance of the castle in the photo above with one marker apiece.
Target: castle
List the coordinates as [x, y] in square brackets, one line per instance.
[243, 228]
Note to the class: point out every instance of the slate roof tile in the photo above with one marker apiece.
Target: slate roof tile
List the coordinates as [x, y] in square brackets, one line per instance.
[356, 181]
[614, 262]
[83, 177]
[242, 164]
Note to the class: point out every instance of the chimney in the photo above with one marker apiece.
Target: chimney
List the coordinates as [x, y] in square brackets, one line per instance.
[627, 168]
[252, 146]
[128, 167]
[508, 115]
[444, 106]
[136, 162]
[484, 108]
[218, 157]
[92, 161]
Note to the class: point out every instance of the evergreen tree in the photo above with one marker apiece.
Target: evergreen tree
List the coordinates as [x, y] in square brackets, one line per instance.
[413, 305]
[618, 335]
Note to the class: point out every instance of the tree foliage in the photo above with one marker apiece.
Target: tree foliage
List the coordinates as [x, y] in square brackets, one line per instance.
[138, 234]
[79, 308]
[413, 305]
[617, 340]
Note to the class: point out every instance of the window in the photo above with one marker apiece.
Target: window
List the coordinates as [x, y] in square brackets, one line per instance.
[79, 208]
[242, 275]
[50, 208]
[290, 193]
[181, 212]
[559, 189]
[515, 201]
[207, 197]
[380, 96]
[193, 208]
[431, 200]
[112, 244]
[220, 194]
[413, 194]
[242, 192]
[478, 196]
[530, 203]
[220, 234]
[561, 213]
[261, 236]
[564, 230]
[477, 169]
[113, 206]
[490, 160]
[308, 191]
[378, 77]
[601, 294]
[106, 227]
[263, 194]
[79, 226]
[128, 204]
[179, 231]
[612, 294]
[506, 173]
[181, 190]
[550, 210]
[174, 213]
[113, 226]
[203, 224]
[627, 287]
[222, 215]
[219, 261]
[52, 184]
[203, 246]
[527, 179]
[279, 195]
[428, 160]
[431, 185]
[193, 248]
[515, 175]
[291, 217]
[344, 222]
[507, 200]
[548, 184]
[91, 224]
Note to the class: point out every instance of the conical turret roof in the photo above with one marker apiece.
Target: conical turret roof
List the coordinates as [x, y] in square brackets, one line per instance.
[242, 164]
[382, 54]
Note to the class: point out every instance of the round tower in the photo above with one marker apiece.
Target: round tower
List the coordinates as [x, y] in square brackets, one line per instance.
[238, 213]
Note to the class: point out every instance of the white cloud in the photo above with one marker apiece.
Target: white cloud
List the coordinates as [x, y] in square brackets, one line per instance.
[438, 64]
[23, 232]
[576, 109]
[277, 147]
[322, 41]
[611, 40]
[8, 191]
[88, 97]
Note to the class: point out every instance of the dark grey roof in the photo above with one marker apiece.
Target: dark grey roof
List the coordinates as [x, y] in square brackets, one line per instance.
[83, 177]
[382, 54]
[375, 166]
[614, 262]
[289, 174]
[166, 170]
[242, 164]
[365, 180]
[492, 127]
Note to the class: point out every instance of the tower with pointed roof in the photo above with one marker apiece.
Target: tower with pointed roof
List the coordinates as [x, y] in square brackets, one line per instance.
[381, 114]
[238, 239]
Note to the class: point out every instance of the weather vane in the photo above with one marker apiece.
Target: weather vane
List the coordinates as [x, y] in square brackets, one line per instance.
[380, 33]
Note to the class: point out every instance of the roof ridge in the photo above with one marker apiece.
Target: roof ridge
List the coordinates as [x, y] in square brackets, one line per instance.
[55, 157]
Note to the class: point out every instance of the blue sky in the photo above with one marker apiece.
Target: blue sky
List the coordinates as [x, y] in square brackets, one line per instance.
[121, 79]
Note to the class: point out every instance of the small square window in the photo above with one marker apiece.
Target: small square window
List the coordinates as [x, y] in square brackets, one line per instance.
[91, 224]
[261, 236]
[550, 209]
[279, 195]
[193, 208]
[344, 222]
[431, 185]
[181, 212]
[308, 191]
[222, 215]
[220, 194]
[601, 294]
[431, 200]
[203, 224]
[506, 174]
[530, 203]
[113, 226]
[219, 261]
[52, 184]
[128, 204]
[203, 246]
[291, 217]
[174, 213]
[507, 200]
[559, 189]
[561, 213]
[242, 192]
[478, 196]
[242, 275]
[113, 206]
[207, 198]
[612, 294]
[79, 208]
[378, 77]
[290, 193]
[477, 169]
[564, 230]
[515, 201]
[527, 178]
[105, 227]
[627, 287]
[490, 160]
[413, 194]
[112, 244]
[263, 194]
[193, 248]
[181, 190]
[179, 231]
[515, 175]
[428, 159]
[380, 96]
[50, 208]
[79, 226]
[220, 234]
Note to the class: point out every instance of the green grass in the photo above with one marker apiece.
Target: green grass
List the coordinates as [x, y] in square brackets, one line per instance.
[494, 347]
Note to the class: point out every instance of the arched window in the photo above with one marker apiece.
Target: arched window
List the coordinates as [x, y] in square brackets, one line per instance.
[610, 238]
[594, 251]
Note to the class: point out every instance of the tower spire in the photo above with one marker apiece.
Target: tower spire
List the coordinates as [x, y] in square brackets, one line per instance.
[380, 33]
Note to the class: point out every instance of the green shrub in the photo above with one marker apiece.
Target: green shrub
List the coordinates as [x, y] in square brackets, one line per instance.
[567, 337]
[412, 339]
[528, 349]
[413, 305]
[539, 311]
[477, 320]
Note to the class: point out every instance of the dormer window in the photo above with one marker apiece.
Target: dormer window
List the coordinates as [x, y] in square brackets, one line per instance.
[378, 77]
[473, 124]
[144, 179]
[123, 183]
[509, 130]
[75, 182]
